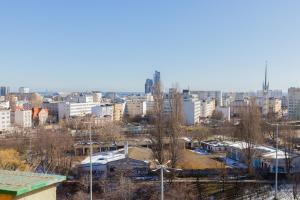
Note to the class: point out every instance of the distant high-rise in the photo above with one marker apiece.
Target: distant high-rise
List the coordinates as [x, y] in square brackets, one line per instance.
[4, 90]
[156, 77]
[148, 86]
[23, 90]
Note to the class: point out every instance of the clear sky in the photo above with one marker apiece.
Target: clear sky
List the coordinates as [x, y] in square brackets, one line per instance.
[117, 44]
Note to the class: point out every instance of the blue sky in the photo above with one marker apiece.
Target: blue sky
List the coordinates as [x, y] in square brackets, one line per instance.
[117, 44]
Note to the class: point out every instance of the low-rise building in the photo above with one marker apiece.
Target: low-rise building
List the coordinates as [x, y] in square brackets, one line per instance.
[108, 164]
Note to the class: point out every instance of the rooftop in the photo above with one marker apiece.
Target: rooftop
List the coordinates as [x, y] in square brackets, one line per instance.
[17, 183]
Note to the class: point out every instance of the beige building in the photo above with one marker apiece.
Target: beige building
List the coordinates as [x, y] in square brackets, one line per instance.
[17, 185]
[136, 108]
[118, 112]
[275, 105]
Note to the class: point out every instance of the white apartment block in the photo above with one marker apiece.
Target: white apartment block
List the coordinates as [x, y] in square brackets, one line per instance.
[70, 109]
[23, 118]
[4, 119]
[103, 110]
[208, 95]
[136, 108]
[207, 108]
[294, 103]
[191, 110]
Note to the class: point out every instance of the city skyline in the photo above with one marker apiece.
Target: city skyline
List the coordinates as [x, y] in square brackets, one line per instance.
[199, 45]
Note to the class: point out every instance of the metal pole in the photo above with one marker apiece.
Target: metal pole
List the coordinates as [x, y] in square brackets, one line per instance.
[91, 165]
[276, 173]
[162, 182]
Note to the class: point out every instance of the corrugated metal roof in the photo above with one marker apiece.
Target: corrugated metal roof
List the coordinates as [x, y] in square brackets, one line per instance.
[18, 183]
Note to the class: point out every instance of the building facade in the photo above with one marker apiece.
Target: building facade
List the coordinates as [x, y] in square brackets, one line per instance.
[4, 90]
[294, 103]
[4, 119]
[23, 118]
[136, 108]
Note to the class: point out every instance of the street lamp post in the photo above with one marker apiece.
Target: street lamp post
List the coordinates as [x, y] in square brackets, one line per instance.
[276, 170]
[162, 168]
[276, 174]
[91, 153]
[91, 165]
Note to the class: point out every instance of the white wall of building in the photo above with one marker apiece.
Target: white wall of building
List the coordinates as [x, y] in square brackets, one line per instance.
[4, 119]
[103, 110]
[191, 111]
[69, 109]
[207, 108]
[23, 118]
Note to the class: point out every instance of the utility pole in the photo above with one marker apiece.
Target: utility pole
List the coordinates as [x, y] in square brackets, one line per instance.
[91, 165]
[276, 174]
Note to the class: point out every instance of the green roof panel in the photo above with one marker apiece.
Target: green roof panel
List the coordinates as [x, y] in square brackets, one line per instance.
[18, 183]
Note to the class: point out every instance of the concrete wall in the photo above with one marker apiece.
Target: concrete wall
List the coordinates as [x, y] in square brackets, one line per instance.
[48, 193]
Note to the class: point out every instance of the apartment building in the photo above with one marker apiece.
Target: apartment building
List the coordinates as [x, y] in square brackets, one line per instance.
[136, 108]
[191, 110]
[208, 95]
[4, 119]
[294, 103]
[118, 111]
[207, 108]
[103, 110]
[70, 109]
[23, 118]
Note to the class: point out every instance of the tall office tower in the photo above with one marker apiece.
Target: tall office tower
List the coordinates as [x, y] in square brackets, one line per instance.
[265, 108]
[294, 103]
[4, 90]
[148, 86]
[156, 77]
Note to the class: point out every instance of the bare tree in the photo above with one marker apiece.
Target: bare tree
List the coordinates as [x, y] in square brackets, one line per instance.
[174, 125]
[157, 135]
[249, 131]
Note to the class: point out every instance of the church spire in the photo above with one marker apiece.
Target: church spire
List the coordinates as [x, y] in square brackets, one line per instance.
[266, 83]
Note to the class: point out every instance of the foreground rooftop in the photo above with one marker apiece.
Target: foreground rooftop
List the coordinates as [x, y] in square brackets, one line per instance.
[18, 183]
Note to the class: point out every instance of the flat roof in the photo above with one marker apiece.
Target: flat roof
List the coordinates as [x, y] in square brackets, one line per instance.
[17, 183]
